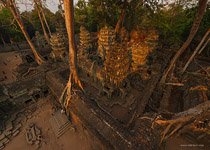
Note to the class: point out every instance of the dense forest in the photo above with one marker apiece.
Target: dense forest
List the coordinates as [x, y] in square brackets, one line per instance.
[172, 20]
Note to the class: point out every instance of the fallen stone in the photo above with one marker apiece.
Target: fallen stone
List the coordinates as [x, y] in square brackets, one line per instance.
[8, 133]
[37, 142]
[29, 117]
[5, 140]
[2, 136]
[17, 128]
[37, 130]
[33, 134]
[39, 137]
[37, 145]
[30, 125]
[20, 118]
[16, 133]
[29, 138]
[1, 145]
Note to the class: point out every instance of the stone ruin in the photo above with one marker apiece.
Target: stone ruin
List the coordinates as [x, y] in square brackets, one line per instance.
[107, 70]
[106, 39]
[120, 57]
[116, 89]
[142, 48]
[111, 95]
[85, 40]
[59, 44]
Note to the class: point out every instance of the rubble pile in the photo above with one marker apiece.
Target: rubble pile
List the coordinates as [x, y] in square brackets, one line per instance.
[33, 135]
[12, 127]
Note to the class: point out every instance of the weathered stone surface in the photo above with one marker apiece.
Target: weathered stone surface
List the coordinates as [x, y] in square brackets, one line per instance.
[85, 39]
[33, 135]
[16, 133]
[1, 145]
[7, 133]
[17, 128]
[59, 44]
[142, 44]
[106, 39]
[9, 125]
[60, 123]
[5, 140]
[2, 136]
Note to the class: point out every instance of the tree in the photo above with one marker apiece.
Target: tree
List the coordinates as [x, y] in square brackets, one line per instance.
[13, 9]
[41, 21]
[44, 17]
[121, 18]
[9, 27]
[73, 76]
[201, 10]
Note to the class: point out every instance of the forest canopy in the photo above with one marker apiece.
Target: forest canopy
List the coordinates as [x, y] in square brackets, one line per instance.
[172, 20]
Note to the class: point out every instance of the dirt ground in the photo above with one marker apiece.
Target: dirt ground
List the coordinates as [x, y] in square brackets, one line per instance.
[71, 140]
[8, 63]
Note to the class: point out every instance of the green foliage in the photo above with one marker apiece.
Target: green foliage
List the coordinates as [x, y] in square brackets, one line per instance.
[94, 14]
[33, 18]
[8, 26]
[174, 24]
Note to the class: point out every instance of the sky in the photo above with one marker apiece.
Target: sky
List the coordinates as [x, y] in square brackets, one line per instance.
[27, 5]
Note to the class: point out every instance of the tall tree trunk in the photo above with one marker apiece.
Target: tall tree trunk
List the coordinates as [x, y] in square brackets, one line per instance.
[42, 24]
[69, 19]
[44, 17]
[73, 76]
[193, 31]
[12, 8]
[121, 18]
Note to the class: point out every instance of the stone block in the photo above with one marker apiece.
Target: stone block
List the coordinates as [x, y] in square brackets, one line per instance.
[9, 125]
[2, 136]
[17, 127]
[16, 133]
[1, 145]
[5, 140]
[8, 133]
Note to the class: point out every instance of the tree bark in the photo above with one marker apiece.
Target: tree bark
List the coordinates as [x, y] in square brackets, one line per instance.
[12, 8]
[44, 17]
[69, 19]
[121, 18]
[41, 21]
[193, 31]
[197, 50]
[182, 119]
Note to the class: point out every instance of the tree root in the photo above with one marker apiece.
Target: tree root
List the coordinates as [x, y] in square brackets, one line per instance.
[29, 70]
[181, 120]
[177, 124]
[68, 92]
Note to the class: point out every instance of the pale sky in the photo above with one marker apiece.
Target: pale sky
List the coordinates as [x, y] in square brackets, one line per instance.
[27, 4]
